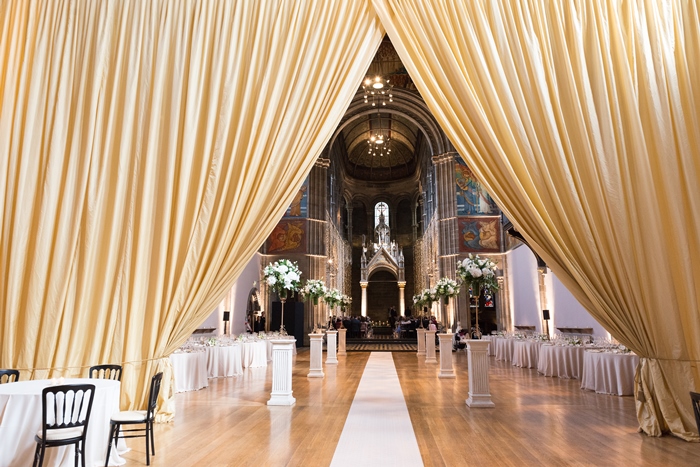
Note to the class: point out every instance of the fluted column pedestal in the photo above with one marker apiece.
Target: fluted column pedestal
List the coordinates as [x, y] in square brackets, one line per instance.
[430, 347]
[479, 395]
[341, 342]
[331, 358]
[421, 341]
[316, 356]
[446, 368]
[282, 355]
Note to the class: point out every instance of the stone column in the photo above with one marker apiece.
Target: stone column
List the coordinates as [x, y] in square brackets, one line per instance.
[331, 358]
[402, 303]
[446, 368]
[282, 355]
[341, 342]
[430, 347]
[316, 357]
[478, 361]
[421, 341]
[364, 297]
[348, 208]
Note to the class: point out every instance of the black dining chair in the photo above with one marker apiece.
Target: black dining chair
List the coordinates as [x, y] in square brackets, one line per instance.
[695, 397]
[106, 372]
[9, 376]
[65, 415]
[137, 417]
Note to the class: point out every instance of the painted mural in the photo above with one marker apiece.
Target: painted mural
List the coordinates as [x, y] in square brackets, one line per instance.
[289, 236]
[471, 198]
[300, 204]
[479, 234]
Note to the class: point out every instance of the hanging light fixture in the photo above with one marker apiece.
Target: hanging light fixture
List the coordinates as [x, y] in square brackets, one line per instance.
[377, 91]
[378, 142]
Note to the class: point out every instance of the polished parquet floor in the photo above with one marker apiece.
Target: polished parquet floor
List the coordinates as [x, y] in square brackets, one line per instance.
[536, 421]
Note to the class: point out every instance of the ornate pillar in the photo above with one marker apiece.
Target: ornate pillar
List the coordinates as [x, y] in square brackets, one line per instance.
[402, 303]
[364, 297]
[348, 208]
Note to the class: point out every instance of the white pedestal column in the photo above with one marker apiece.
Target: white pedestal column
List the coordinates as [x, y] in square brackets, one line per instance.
[331, 358]
[341, 342]
[316, 357]
[364, 298]
[282, 354]
[446, 368]
[430, 347]
[421, 341]
[479, 395]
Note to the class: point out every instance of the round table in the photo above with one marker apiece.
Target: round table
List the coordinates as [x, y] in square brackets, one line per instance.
[224, 361]
[20, 419]
[254, 354]
[526, 353]
[609, 373]
[504, 349]
[564, 361]
[189, 370]
[492, 344]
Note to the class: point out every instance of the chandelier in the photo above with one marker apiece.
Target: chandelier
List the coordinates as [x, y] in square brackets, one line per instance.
[377, 91]
[378, 142]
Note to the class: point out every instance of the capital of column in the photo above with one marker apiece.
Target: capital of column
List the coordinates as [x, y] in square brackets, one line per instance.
[445, 157]
[402, 284]
[365, 284]
[323, 163]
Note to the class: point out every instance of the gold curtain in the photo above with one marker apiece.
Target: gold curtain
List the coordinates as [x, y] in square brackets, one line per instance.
[581, 119]
[147, 148]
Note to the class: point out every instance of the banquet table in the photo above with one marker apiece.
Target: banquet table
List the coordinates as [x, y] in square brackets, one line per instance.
[609, 373]
[20, 419]
[504, 349]
[189, 370]
[492, 344]
[564, 361]
[224, 361]
[254, 354]
[526, 353]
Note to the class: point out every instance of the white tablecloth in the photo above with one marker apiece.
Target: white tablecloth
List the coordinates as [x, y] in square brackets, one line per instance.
[609, 373]
[564, 361]
[504, 349]
[254, 354]
[20, 419]
[224, 361]
[189, 371]
[526, 353]
[492, 344]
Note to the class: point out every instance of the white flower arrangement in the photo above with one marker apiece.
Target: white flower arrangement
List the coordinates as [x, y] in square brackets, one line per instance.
[283, 276]
[332, 297]
[314, 289]
[418, 300]
[345, 301]
[447, 288]
[479, 272]
[429, 296]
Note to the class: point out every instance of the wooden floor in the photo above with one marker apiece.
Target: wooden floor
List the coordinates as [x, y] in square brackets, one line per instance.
[537, 421]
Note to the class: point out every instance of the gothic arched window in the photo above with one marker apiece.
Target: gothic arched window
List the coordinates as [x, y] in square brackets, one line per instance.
[379, 209]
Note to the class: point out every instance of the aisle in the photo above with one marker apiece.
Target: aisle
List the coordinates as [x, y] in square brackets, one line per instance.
[378, 427]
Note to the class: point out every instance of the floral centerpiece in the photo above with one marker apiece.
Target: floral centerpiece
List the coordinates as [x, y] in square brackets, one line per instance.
[345, 301]
[332, 297]
[446, 288]
[282, 276]
[429, 296]
[314, 289]
[418, 300]
[480, 273]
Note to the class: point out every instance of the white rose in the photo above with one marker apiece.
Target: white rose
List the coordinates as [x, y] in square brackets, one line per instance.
[475, 272]
[283, 269]
[271, 280]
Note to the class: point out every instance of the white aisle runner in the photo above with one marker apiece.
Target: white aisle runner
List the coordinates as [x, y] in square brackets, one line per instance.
[378, 430]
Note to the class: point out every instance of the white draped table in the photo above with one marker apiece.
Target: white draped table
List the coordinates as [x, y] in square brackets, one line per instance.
[189, 370]
[564, 361]
[492, 344]
[20, 419]
[526, 353]
[254, 354]
[504, 349]
[609, 373]
[224, 361]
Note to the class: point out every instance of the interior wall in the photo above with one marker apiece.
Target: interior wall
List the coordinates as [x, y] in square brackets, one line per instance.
[565, 310]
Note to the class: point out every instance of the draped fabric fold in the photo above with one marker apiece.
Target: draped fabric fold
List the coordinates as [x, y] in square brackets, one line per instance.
[581, 120]
[146, 151]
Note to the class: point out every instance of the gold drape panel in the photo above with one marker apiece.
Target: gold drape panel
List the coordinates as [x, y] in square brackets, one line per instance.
[581, 119]
[147, 148]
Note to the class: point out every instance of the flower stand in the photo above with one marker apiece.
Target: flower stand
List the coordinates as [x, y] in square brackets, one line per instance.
[421, 341]
[316, 357]
[446, 368]
[341, 342]
[430, 347]
[478, 362]
[331, 358]
[282, 356]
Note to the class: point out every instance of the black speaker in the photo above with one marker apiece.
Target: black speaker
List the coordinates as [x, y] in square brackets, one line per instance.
[545, 314]
[227, 316]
